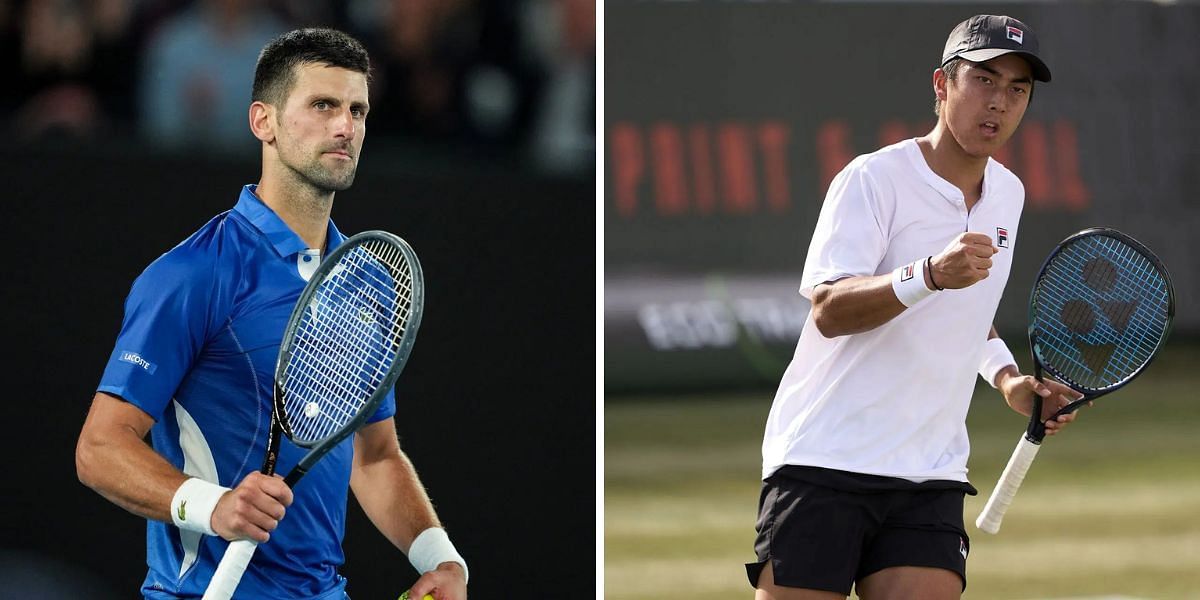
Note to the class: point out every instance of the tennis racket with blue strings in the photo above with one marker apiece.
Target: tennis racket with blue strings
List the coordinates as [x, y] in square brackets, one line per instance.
[1100, 311]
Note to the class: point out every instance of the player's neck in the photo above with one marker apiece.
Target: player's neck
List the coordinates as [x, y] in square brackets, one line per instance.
[949, 161]
[305, 210]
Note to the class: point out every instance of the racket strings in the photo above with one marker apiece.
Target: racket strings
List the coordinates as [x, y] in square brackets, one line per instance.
[1100, 312]
[347, 339]
[1112, 350]
[1105, 353]
[347, 382]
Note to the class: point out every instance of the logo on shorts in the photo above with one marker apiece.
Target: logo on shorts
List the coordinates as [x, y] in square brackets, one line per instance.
[1016, 35]
[134, 358]
[962, 547]
[907, 272]
[1001, 237]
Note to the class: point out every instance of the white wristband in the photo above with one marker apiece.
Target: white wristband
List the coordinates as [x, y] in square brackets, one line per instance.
[996, 356]
[193, 505]
[908, 282]
[432, 548]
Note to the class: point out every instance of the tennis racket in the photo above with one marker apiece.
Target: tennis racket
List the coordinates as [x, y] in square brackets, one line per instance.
[1100, 311]
[346, 341]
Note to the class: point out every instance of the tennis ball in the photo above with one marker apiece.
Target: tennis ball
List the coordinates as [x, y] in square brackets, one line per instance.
[404, 596]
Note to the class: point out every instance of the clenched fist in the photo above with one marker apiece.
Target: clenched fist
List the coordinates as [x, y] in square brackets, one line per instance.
[253, 509]
[964, 262]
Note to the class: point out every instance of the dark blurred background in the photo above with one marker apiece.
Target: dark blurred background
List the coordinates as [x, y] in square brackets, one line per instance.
[479, 77]
[125, 127]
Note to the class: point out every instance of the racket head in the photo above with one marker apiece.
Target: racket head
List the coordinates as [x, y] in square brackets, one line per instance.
[347, 339]
[1100, 310]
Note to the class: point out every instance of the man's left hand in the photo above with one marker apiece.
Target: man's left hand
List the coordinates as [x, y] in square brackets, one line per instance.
[1019, 390]
[447, 582]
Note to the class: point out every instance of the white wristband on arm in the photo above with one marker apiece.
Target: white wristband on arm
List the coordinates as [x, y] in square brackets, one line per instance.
[432, 548]
[996, 356]
[908, 282]
[193, 505]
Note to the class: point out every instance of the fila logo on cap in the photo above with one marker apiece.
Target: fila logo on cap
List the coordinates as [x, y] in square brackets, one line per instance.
[1001, 237]
[1016, 34]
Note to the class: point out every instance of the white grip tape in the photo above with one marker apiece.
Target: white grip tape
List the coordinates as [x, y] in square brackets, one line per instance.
[908, 282]
[229, 572]
[432, 548]
[1010, 481]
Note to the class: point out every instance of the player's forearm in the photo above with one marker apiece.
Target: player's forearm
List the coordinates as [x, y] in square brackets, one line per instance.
[127, 472]
[391, 494]
[854, 305]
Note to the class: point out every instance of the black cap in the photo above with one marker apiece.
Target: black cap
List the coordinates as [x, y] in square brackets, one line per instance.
[984, 37]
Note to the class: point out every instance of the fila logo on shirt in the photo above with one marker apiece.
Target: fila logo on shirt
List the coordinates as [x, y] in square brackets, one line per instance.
[907, 272]
[1001, 237]
[1016, 35]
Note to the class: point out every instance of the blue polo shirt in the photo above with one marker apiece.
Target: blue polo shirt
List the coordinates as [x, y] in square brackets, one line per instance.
[197, 353]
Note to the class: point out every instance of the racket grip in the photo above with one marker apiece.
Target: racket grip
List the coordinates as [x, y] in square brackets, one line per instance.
[229, 572]
[1010, 481]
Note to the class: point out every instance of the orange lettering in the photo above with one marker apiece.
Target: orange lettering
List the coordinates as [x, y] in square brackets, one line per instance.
[833, 150]
[737, 168]
[1035, 163]
[703, 185]
[667, 148]
[1066, 150]
[628, 166]
[773, 137]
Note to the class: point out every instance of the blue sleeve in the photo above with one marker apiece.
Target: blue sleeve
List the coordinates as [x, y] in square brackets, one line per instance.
[167, 320]
[387, 408]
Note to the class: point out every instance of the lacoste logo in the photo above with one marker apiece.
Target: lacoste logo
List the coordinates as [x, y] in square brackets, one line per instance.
[182, 512]
[134, 358]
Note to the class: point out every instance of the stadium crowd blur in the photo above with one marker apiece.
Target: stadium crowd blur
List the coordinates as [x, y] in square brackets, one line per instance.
[496, 77]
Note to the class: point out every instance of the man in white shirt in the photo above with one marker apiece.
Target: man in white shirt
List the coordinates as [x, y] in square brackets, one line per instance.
[865, 450]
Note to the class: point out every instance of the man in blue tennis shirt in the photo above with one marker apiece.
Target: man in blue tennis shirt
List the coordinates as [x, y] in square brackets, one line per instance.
[193, 367]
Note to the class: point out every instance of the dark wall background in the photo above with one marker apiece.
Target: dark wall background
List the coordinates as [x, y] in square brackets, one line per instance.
[725, 121]
[496, 407]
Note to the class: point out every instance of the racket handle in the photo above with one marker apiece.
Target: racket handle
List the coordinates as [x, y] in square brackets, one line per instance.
[1010, 481]
[229, 572]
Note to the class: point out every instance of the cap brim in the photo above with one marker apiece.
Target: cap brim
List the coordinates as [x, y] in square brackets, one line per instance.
[1040, 71]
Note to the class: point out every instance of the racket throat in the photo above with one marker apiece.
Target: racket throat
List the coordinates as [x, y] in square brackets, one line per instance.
[272, 455]
[1036, 432]
[295, 475]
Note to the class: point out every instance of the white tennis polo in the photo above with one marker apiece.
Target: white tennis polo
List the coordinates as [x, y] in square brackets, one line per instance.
[893, 401]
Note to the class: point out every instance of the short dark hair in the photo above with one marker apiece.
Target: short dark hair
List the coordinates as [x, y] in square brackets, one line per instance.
[274, 75]
[951, 70]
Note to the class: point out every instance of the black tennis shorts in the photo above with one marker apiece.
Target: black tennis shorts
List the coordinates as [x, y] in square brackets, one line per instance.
[824, 529]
